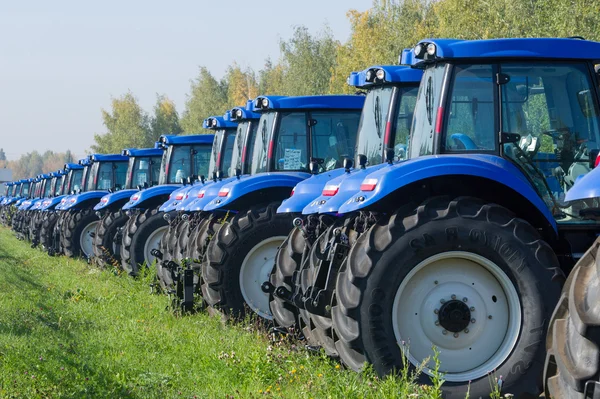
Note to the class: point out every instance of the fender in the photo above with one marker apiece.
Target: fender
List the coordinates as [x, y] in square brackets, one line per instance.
[348, 183]
[206, 195]
[490, 167]
[236, 190]
[84, 200]
[585, 187]
[178, 197]
[141, 199]
[307, 190]
[116, 198]
[50, 203]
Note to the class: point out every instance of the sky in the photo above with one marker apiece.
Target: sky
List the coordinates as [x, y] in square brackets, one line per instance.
[62, 61]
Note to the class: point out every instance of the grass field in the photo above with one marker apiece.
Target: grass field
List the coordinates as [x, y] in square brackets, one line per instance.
[70, 330]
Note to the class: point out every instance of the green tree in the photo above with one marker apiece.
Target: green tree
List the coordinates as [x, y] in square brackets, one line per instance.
[68, 158]
[241, 85]
[127, 124]
[270, 79]
[207, 97]
[165, 119]
[307, 61]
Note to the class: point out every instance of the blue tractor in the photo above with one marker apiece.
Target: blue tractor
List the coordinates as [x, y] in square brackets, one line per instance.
[102, 174]
[51, 189]
[28, 193]
[143, 172]
[296, 137]
[466, 243]
[10, 203]
[70, 181]
[302, 281]
[46, 185]
[572, 368]
[185, 158]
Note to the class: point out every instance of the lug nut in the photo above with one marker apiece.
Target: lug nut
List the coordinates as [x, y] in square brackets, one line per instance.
[442, 300]
[465, 299]
[437, 322]
[435, 282]
[490, 317]
[453, 296]
[466, 331]
[436, 311]
[444, 332]
[472, 308]
[472, 320]
[455, 335]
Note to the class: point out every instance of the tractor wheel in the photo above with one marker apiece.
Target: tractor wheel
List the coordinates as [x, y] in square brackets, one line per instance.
[56, 245]
[573, 342]
[105, 240]
[48, 222]
[463, 276]
[34, 227]
[164, 274]
[240, 259]
[77, 235]
[287, 263]
[142, 233]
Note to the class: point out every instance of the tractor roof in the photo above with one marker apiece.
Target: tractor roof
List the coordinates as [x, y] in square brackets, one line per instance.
[239, 114]
[85, 162]
[551, 48]
[142, 152]
[194, 139]
[219, 122]
[107, 157]
[391, 74]
[267, 103]
[69, 166]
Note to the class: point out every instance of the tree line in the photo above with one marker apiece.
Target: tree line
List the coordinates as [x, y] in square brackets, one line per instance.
[316, 63]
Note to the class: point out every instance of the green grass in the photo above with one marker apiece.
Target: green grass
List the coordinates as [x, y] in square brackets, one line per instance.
[69, 330]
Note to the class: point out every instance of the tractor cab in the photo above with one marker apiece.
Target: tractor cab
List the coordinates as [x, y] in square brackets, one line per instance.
[102, 174]
[72, 174]
[383, 132]
[50, 188]
[218, 167]
[142, 172]
[185, 158]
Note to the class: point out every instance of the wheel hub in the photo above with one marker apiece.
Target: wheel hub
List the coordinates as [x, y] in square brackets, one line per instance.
[454, 316]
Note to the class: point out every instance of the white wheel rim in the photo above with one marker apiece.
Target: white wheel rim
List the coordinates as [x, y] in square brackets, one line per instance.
[86, 239]
[153, 242]
[256, 269]
[494, 307]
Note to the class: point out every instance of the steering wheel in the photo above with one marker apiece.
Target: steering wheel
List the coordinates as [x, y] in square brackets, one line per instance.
[557, 134]
[463, 142]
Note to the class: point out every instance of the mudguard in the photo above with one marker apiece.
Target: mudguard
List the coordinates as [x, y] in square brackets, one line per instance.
[51, 203]
[307, 190]
[110, 199]
[246, 185]
[209, 193]
[178, 197]
[490, 167]
[585, 187]
[349, 184]
[83, 200]
[140, 199]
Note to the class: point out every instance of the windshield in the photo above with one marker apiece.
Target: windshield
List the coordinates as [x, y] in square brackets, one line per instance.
[26, 188]
[143, 171]
[371, 129]
[225, 165]
[214, 152]
[75, 180]
[259, 153]
[48, 187]
[405, 108]
[332, 138]
[60, 188]
[92, 172]
[180, 162]
[238, 147]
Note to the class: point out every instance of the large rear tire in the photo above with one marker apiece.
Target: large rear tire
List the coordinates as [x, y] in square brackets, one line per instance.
[78, 233]
[240, 259]
[573, 341]
[106, 236]
[46, 231]
[464, 276]
[142, 233]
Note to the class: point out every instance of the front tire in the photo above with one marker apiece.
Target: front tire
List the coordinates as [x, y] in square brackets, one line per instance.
[77, 233]
[459, 262]
[573, 341]
[105, 239]
[141, 234]
[240, 260]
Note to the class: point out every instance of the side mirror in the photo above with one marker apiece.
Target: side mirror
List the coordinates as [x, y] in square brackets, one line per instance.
[219, 175]
[214, 176]
[362, 161]
[189, 180]
[593, 161]
[145, 184]
[347, 164]
[238, 172]
[313, 167]
[202, 179]
[183, 181]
